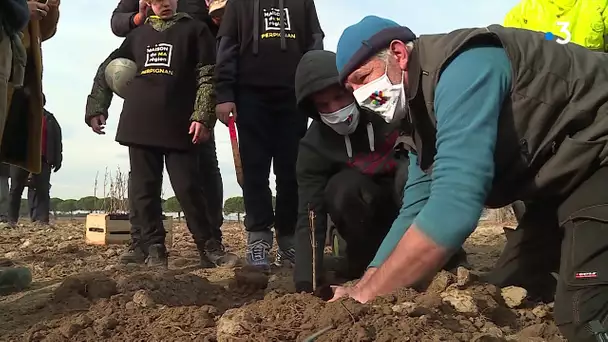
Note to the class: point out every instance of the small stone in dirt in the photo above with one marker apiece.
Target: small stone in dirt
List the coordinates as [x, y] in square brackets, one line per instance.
[67, 247]
[84, 321]
[110, 253]
[463, 277]
[408, 308]
[69, 329]
[11, 255]
[491, 329]
[130, 306]
[513, 295]
[209, 310]
[532, 332]
[26, 244]
[488, 338]
[143, 299]
[229, 325]
[541, 311]
[39, 250]
[104, 324]
[461, 301]
[441, 282]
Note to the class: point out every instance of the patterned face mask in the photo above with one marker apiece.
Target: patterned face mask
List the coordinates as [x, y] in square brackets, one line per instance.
[344, 121]
[384, 98]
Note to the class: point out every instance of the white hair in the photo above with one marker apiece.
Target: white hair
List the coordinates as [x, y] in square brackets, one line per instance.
[384, 54]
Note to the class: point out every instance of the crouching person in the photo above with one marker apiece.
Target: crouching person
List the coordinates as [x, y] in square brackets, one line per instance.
[346, 168]
[168, 109]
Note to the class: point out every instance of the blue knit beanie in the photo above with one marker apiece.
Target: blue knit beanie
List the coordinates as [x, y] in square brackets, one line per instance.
[364, 39]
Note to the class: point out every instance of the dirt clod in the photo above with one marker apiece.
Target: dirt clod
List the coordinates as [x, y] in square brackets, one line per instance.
[460, 300]
[463, 277]
[143, 299]
[514, 296]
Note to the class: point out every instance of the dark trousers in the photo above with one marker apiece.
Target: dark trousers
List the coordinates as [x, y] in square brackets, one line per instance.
[569, 237]
[269, 132]
[146, 186]
[363, 210]
[212, 187]
[38, 194]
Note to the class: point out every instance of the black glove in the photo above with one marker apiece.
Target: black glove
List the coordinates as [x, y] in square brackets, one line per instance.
[56, 167]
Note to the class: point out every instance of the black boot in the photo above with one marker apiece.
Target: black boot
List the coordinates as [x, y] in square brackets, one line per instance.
[217, 254]
[205, 262]
[133, 255]
[157, 256]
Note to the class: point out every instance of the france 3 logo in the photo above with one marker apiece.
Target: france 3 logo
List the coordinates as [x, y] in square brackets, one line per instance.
[564, 37]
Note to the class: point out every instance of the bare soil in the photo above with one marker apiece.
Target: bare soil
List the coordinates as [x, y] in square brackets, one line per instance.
[79, 293]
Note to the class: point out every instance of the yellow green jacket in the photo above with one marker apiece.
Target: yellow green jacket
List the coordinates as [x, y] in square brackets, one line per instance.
[587, 20]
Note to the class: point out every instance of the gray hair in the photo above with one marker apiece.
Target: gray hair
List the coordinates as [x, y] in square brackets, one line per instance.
[386, 53]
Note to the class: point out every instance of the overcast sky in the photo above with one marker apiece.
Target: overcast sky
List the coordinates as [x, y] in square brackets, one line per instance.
[84, 39]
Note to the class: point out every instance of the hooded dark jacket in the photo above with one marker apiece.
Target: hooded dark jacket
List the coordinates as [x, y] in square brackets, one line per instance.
[259, 49]
[323, 153]
[14, 15]
[552, 130]
[122, 16]
[54, 140]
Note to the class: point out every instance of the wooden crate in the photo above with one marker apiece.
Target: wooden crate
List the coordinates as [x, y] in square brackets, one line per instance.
[101, 229]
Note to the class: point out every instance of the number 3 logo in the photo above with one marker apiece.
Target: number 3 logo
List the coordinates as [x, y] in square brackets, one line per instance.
[564, 28]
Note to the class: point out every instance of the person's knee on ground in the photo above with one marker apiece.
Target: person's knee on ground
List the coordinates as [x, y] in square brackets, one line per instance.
[582, 290]
[531, 254]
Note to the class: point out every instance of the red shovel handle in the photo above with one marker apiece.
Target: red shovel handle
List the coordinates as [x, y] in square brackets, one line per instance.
[236, 155]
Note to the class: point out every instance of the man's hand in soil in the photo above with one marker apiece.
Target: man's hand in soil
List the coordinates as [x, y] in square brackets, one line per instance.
[354, 291]
[223, 111]
[415, 258]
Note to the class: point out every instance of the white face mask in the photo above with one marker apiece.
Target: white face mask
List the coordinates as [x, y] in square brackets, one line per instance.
[344, 121]
[384, 98]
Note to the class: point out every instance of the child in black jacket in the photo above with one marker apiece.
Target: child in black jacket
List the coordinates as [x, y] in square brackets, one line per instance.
[168, 108]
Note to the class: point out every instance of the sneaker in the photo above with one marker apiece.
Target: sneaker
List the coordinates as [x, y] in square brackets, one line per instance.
[157, 256]
[285, 258]
[259, 245]
[133, 255]
[216, 252]
[286, 255]
[205, 261]
[41, 225]
[9, 225]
